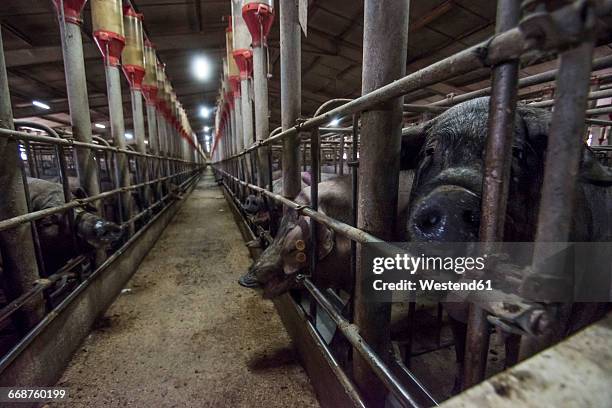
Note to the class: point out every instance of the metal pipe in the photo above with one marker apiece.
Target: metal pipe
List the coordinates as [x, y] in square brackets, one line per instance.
[559, 187]
[115, 110]
[606, 93]
[139, 135]
[498, 158]
[291, 94]
[260, 82]
[385, 42]
[369, 355]
[78, 100]
[238, 117]
[16, 246]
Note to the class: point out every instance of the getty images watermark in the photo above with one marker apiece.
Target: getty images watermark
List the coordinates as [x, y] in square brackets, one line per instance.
[571, 272]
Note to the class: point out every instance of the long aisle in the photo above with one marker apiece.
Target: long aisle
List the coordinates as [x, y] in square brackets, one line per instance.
[184, 333]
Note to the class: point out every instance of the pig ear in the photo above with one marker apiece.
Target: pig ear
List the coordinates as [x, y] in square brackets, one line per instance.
[592, 171]
[537, 124]
[326, 241]
[413, 138]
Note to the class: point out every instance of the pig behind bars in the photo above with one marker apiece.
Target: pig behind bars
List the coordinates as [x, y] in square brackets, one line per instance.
[447, 154]
[54, 230]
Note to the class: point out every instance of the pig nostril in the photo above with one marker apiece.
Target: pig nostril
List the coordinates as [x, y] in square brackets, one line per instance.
[470, 217]
[429, 220]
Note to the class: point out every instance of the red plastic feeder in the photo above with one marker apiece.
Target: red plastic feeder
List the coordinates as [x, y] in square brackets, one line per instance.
[234, 81]
[244, 60]
[110, 45]
[134, 75]
[150, 94]
[258, 18]
[72, 10]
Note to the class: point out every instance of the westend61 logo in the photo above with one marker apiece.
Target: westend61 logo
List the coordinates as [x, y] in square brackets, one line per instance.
[413, 264]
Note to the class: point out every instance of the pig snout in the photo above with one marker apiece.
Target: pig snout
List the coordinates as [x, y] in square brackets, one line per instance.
[106, 232]
[447, 214]
[97, 231]
[252, 204]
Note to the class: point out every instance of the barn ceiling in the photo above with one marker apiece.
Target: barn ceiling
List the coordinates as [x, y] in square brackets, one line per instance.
[183, 29]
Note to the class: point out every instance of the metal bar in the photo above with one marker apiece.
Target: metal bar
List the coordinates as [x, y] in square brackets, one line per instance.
[315, 165]
[16, 247]
[606, 93]
[498, 158]
[78, 101]
[115, 109]
[385, 42]
[16, 135]
[260, 83]
[291, 93]
[559, 187]
[369, 355]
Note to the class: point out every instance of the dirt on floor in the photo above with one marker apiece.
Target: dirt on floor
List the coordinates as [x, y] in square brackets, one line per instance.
[184, 333]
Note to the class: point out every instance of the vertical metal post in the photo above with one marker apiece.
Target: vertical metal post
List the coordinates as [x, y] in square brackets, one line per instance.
[16, 246]
[341, 148]
[262, 130]
[247, 112]
[385, 42]
[139, 135]
[78, 102]
[238, 122]
[561, 169]
[115, 107]
[291, 93]
[498, 158]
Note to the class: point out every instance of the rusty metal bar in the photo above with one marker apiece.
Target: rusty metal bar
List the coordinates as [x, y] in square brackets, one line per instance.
[559, 187]
[291, 93]
[385, 42]
[498, 158]
[16, 246]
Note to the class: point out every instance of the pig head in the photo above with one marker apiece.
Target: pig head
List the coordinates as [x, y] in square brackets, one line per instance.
[289, 253]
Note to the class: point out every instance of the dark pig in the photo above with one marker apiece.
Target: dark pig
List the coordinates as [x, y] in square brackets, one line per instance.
[54, 230]
[447, 154]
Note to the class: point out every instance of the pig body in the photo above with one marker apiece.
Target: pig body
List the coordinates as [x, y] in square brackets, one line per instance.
[54, 230]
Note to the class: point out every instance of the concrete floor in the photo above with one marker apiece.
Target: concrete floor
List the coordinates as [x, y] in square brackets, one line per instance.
[184, 333]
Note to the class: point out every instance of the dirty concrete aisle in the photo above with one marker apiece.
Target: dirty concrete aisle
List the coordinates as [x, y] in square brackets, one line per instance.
[184, 333]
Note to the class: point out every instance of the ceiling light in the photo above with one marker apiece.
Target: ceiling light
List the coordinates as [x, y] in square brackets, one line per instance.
[334, 122]
[206, 128]
[129, 136]
[146, 142]
[204, 112]
[41, 105]
[201, 68]
[99, 126]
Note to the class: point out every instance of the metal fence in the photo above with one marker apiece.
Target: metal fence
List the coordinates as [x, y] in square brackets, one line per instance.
[571, 31]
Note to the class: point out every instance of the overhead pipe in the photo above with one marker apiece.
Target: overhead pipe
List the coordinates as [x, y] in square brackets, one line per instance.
[76, 87]
[385, 42]
[107, 22]
[16, 244]
[291, 94]
[259, 16]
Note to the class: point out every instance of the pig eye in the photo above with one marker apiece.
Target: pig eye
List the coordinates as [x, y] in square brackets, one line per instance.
[518, 153]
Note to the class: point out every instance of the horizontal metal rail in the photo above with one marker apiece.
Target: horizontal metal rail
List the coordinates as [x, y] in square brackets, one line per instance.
[351, 332]
[17, 135]
[506, 46]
